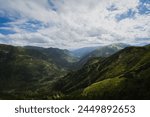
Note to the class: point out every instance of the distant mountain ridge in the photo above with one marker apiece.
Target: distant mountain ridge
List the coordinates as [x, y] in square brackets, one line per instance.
[82, 51]
[103, 51]
[28, 71]
[123, 75]
[39, 73]
[62, 58]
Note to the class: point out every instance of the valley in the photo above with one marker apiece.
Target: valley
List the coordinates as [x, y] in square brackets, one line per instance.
[117, 71]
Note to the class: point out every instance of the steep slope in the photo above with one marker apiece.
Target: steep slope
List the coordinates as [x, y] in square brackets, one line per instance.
[124, 75]
[30, 72]
[134, 84]
[62, 58]
[33, 73]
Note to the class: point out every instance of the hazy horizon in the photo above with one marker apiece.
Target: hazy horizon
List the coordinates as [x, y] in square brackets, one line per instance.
[72, 49]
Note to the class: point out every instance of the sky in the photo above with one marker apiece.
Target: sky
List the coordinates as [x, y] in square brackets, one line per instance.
[74, 23]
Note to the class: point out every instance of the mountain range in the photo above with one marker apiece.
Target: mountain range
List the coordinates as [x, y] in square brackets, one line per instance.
[102, 51]
[123, 75]
[26, 71]
[117, 71]
[81, 52]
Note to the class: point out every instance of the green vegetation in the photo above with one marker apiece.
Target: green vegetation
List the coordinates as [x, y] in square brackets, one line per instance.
[104, 88]
[40, 73]
[102, 52]
[29, 73]
[124, 75]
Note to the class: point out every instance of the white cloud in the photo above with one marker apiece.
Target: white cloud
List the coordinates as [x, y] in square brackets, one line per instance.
[147, 6]
[1, 36]
[76, 23]
[29, 9]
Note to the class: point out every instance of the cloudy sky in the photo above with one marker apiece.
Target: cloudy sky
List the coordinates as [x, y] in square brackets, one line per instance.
[74, 23]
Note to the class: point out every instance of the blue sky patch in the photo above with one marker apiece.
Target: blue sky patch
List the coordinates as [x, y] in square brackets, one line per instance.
[31, 25]
[143, 7]
[4, 20]
[6, 32]
[129, 14]
[3, 23]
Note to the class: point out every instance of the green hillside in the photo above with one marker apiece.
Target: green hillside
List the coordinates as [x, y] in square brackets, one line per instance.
[124, 75]
[61, 58]
[48, 73]
[29, 72]
[103, 52]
